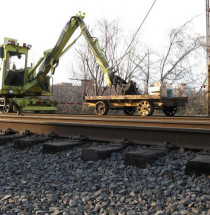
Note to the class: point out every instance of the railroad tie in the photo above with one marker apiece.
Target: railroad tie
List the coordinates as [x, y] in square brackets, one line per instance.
[199, 165]
[143, 157]
[54, 147]
[29, 141]
[95, 153]
[4, 139]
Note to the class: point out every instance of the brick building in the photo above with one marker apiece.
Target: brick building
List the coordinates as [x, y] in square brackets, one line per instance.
[67, 92]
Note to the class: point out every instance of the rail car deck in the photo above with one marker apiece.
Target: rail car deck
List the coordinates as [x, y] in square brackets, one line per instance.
[143, 104]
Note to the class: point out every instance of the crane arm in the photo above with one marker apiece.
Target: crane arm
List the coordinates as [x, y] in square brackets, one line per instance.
[52, 56]
[97, 51]
[109, 74]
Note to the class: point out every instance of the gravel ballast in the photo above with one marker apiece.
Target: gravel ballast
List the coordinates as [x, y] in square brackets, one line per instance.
[32, 182]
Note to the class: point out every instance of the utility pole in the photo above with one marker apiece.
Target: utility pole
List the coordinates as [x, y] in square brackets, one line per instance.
[208, 55]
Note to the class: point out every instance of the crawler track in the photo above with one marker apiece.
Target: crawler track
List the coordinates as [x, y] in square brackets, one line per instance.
[188, 132]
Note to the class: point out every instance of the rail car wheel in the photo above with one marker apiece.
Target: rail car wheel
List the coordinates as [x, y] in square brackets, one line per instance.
[101, 108]
[129, 110]
[7, 108]
[145, 108]
[169, 111]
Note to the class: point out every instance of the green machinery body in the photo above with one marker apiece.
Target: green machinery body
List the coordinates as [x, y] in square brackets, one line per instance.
[15, 76]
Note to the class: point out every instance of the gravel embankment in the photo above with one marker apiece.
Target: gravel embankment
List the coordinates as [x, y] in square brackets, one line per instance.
[35, 183]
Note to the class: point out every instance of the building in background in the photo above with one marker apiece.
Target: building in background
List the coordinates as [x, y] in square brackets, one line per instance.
[67, 92]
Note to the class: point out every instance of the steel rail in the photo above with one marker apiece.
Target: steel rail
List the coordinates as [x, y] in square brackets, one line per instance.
[198, 118]
[115, 129]
[188, 122]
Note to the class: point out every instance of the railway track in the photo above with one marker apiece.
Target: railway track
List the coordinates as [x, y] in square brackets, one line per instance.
[70, 174]
[187, 132]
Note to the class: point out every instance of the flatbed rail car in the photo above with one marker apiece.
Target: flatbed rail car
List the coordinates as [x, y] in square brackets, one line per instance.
[144, 105]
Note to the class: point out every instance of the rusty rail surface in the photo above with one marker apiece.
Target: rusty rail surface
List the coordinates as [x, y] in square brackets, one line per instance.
[192, 132]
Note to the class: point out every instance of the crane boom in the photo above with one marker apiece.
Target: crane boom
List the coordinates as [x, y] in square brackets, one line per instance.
[52, 56]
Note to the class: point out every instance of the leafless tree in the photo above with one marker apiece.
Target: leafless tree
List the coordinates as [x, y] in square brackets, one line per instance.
[176, 63]
[127, 68]
[109, 40]
[146, 65]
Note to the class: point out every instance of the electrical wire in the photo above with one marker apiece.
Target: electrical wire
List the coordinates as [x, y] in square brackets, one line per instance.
[126, 52]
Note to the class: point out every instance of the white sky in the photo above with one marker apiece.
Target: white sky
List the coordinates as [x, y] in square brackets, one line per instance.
[40, 22]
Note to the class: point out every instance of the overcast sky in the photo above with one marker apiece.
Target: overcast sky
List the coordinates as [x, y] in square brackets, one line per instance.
[40, 22]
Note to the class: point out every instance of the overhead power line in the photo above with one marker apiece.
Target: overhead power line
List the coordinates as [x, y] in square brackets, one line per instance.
[126, 52]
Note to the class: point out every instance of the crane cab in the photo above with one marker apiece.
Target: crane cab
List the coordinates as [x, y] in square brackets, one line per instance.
[14, 76]
[13, 64]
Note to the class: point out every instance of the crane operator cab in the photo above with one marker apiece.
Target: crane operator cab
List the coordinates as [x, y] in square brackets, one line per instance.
[13, 64]
[14, 70]
[16, 93]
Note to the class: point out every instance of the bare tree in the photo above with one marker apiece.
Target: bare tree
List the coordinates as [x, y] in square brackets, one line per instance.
[146, 66]
[87, 65]
[127, 68]
[175, 64]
